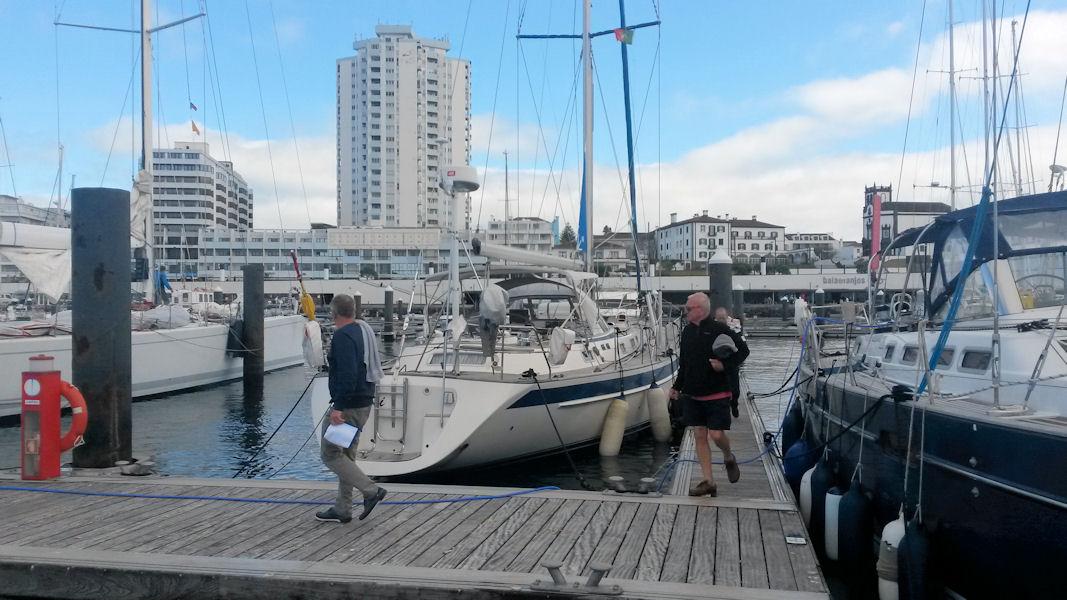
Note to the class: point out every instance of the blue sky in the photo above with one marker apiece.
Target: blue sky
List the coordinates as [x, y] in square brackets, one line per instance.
[780, 109]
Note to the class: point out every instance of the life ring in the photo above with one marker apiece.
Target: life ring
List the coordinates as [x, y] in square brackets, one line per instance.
[79, 415]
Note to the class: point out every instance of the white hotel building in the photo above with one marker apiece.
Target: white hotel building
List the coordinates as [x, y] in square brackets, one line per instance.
[192, 191]
[692, 240]
[403, 115]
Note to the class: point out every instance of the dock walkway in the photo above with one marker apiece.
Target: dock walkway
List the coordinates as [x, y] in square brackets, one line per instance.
[59, 545]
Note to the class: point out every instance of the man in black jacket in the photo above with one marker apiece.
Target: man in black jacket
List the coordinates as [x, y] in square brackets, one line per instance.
[351, 396]
[708, 351]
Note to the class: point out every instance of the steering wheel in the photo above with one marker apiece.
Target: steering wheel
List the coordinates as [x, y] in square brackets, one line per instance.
[1051, 289]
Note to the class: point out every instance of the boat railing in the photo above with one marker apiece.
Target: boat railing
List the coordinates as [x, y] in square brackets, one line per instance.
[396, 395]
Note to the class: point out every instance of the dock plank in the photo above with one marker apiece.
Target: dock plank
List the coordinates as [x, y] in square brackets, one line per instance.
[496, 540]
[676, 563]
[650, 565]
[503, 557]
[590, 538]
[727, 549]
[779, 566]
[633, 546]
[802, 557]
[702, 559]
[610, 543]
[528, 559]
[448, 542]
[29, 523]
[241, 526]
[338, 542]
[560, 547]
[432, 532]
[753, 560]
[463, 548]
[402, 533]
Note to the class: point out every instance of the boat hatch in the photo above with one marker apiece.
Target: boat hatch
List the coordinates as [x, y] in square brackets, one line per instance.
[465, 359]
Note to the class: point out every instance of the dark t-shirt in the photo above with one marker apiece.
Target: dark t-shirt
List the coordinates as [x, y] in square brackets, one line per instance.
[695, 375]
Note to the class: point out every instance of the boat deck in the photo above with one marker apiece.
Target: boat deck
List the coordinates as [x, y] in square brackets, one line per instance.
[65, 545]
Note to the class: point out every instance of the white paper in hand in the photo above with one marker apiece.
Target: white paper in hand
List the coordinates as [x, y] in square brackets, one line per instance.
[341, 435]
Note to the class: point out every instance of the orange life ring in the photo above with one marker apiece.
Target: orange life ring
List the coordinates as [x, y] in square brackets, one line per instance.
[79, 415]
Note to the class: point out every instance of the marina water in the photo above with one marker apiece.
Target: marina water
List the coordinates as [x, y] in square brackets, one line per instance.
[214, 432]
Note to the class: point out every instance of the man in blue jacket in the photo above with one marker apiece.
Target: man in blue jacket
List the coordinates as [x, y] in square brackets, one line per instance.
[708, 351]
[351, 397]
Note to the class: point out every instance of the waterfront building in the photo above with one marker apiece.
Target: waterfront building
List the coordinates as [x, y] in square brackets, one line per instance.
[692, 240]
[752, 240]
[403, 116]
[326, 252]
[525, 233]
[813, 246]
[192, 191]
[895, 217]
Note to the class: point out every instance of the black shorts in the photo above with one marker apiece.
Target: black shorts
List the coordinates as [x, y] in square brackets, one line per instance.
[713, 414]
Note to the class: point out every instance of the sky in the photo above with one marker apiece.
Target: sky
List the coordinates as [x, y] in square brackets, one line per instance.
[780, 110]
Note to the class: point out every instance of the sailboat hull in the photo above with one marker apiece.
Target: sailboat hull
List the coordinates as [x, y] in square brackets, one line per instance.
[164, 361]
[449, 424]
[993, 494]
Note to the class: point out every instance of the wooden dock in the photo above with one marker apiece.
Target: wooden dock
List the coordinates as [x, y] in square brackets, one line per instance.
[73, 546]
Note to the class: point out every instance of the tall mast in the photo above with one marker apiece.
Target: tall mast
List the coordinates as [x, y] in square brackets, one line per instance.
[952, 104]
[507, 200]
[630, 145]
[985, 92]
[1018, 117]
[587, 124]
[146, 142]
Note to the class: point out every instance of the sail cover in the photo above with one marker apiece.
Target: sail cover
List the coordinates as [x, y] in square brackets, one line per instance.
[41, 253]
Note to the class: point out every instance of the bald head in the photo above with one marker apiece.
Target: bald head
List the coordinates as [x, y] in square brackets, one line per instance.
[697, 307]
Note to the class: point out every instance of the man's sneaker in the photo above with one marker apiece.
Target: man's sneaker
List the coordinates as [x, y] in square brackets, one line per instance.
[370, 503]
[704, 488]
[332, 516]
[733, 472]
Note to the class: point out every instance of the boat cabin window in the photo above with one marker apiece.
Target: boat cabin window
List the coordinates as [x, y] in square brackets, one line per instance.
[889, 350]
[976, 360]
[910, 356]
[945, 360]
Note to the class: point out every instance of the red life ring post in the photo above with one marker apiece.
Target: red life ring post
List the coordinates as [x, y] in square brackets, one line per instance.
[42, 442]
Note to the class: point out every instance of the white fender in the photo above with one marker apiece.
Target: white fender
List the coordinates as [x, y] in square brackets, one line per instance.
[614, 428]
[893, 532]
[313, 354]
[832, 522]
[658, 416]
[805, 496]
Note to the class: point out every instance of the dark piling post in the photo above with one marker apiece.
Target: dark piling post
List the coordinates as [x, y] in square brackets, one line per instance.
[253, 331]
[739, 301]
[101, 342]
[387, 326]
[358, 297]
[721, 281]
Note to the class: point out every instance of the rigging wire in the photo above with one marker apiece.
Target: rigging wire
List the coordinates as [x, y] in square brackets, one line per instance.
[618, 166]
[263, 112]
[911, 98]
[7, 157]
[492, 115]
[289, 108]
[216, 81]
[1059, 128]
[118, 124]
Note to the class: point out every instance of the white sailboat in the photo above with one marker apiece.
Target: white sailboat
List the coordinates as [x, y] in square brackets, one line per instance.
[164, 360]
[545, 380]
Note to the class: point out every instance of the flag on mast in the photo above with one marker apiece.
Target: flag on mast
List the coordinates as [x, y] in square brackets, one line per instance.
[196, 129]
[192, 106]
[624, 35]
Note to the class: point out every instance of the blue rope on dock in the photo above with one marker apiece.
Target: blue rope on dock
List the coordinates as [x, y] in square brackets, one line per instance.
[44, 490]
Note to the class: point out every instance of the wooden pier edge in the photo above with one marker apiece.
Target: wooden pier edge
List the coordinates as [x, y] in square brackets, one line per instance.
[29, 571]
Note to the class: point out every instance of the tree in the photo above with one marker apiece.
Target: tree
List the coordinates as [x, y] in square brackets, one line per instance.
[607, 230]
[740, 268]
[667, 265]
[368, 271]
[567, 236]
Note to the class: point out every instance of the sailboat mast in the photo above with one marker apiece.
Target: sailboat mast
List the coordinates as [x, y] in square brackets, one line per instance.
[587, 136]
[952, 104]
[985, 91]
[630, 144]
[146, 141]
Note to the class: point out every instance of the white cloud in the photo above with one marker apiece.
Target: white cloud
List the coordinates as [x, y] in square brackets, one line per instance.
[874, 98]
[317, 157]
[894, 28]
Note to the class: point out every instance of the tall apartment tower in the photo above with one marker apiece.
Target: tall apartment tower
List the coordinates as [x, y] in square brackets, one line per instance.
[191, 192]
[403, 115]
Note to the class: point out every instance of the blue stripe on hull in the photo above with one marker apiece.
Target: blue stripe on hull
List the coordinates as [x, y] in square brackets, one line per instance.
[600, 387]
[993, 496]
